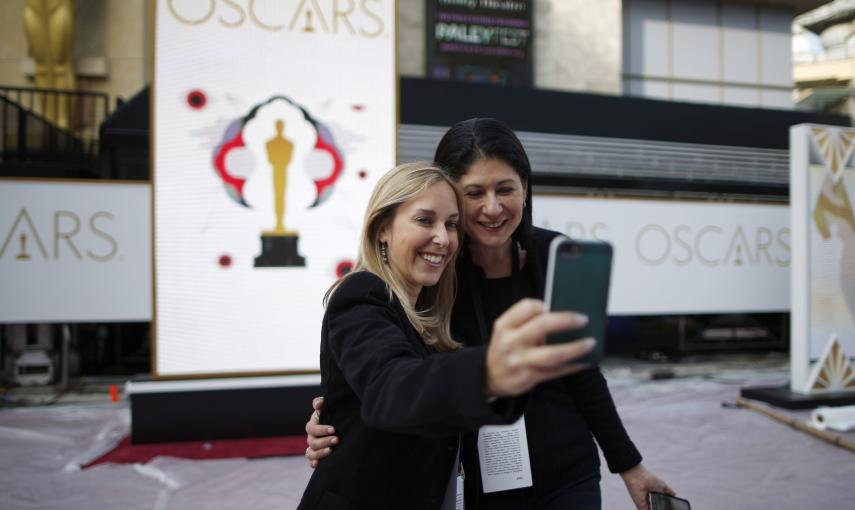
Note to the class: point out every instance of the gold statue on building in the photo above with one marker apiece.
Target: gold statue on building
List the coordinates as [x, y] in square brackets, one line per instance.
[49, 26]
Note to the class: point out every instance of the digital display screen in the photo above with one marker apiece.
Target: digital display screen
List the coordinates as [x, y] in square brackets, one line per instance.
[272, 122]
[486, 41]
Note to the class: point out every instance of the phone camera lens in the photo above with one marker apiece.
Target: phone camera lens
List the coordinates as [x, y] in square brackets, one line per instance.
[571, 250]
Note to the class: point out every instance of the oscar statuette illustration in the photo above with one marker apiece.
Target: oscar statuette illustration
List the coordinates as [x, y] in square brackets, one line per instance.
[279, 245]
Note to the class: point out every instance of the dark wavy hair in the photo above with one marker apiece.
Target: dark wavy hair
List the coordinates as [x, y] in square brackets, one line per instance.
[472, 140]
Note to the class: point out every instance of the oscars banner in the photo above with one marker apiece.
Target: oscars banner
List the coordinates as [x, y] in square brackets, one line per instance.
[74, 251]
[680, 256]
[272, 121]
[822, 193]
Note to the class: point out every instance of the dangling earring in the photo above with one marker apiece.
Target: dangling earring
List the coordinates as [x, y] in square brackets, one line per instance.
[524, 203]
[383, 254]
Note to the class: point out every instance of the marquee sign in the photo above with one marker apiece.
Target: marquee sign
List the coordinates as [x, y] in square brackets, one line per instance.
[487, 41]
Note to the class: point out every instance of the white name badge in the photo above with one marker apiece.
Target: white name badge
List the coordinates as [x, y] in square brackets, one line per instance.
[503, 455]
[458, 504]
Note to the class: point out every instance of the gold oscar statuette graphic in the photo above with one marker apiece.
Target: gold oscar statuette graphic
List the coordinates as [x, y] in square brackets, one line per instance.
[23, 255]
[308, 27]
[279, 246]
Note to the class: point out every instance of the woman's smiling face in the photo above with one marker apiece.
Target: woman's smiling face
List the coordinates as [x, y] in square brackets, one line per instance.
[493, 197]
[422, 237]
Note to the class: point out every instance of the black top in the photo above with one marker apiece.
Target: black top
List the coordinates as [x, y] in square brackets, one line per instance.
[397, 404]
[560, 415]
[499, 294]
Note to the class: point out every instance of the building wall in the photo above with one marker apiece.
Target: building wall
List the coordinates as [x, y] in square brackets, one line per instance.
[127, 47]
[13, 46]
[693, 50]
[577, 45]
[411, 38]
[708, 51]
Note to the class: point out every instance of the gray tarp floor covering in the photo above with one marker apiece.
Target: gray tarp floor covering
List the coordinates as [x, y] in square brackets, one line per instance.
[716, 457]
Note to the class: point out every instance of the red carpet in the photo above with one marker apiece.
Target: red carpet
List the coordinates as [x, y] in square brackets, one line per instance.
[252, 448]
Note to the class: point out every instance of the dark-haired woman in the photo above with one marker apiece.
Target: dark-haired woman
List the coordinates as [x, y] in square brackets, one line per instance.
[502, 260]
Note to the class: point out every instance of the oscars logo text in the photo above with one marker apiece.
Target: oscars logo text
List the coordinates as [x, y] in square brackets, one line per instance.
[64, 237]
[352, 17]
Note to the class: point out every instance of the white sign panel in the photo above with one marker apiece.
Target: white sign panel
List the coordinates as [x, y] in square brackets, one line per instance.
[272, 122]
[822, 191]
[680, 257]
[74, 251]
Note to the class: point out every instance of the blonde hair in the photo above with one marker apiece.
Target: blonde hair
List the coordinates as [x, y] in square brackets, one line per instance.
[432, 314]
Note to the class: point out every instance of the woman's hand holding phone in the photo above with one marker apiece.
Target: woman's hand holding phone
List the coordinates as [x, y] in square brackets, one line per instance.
[639, 482]
[517, 357]
[577, 279]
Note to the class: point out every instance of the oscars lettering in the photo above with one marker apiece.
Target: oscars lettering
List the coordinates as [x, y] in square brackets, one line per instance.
[27, 241]
[684, 245]
[712, 246]
[347, 17]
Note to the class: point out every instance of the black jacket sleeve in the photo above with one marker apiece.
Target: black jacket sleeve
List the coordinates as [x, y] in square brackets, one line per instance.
[594, 401]
[591, 392]
[401, 384]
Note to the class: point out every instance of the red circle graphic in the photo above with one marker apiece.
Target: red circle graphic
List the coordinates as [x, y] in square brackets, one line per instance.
[196, 99]
[343, 267]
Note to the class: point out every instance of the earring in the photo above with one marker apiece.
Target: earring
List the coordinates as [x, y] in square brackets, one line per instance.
[524, 203]
[383, 254]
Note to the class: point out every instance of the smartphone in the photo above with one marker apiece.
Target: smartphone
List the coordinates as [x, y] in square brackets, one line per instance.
[577, 279]
[660, 501]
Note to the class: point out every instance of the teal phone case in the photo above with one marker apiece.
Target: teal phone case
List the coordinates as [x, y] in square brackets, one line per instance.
[578, 275]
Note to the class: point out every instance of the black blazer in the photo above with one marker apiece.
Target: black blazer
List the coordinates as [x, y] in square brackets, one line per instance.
[397, 405]
[563, 416]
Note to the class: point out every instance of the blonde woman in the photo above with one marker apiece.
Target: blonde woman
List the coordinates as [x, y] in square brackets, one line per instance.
[395, 382]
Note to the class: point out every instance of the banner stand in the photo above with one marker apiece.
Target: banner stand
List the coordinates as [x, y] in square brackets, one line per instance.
[822, 281]
[261, 165]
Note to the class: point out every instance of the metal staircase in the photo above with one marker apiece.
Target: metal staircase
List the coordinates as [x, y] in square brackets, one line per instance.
[31, 145]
